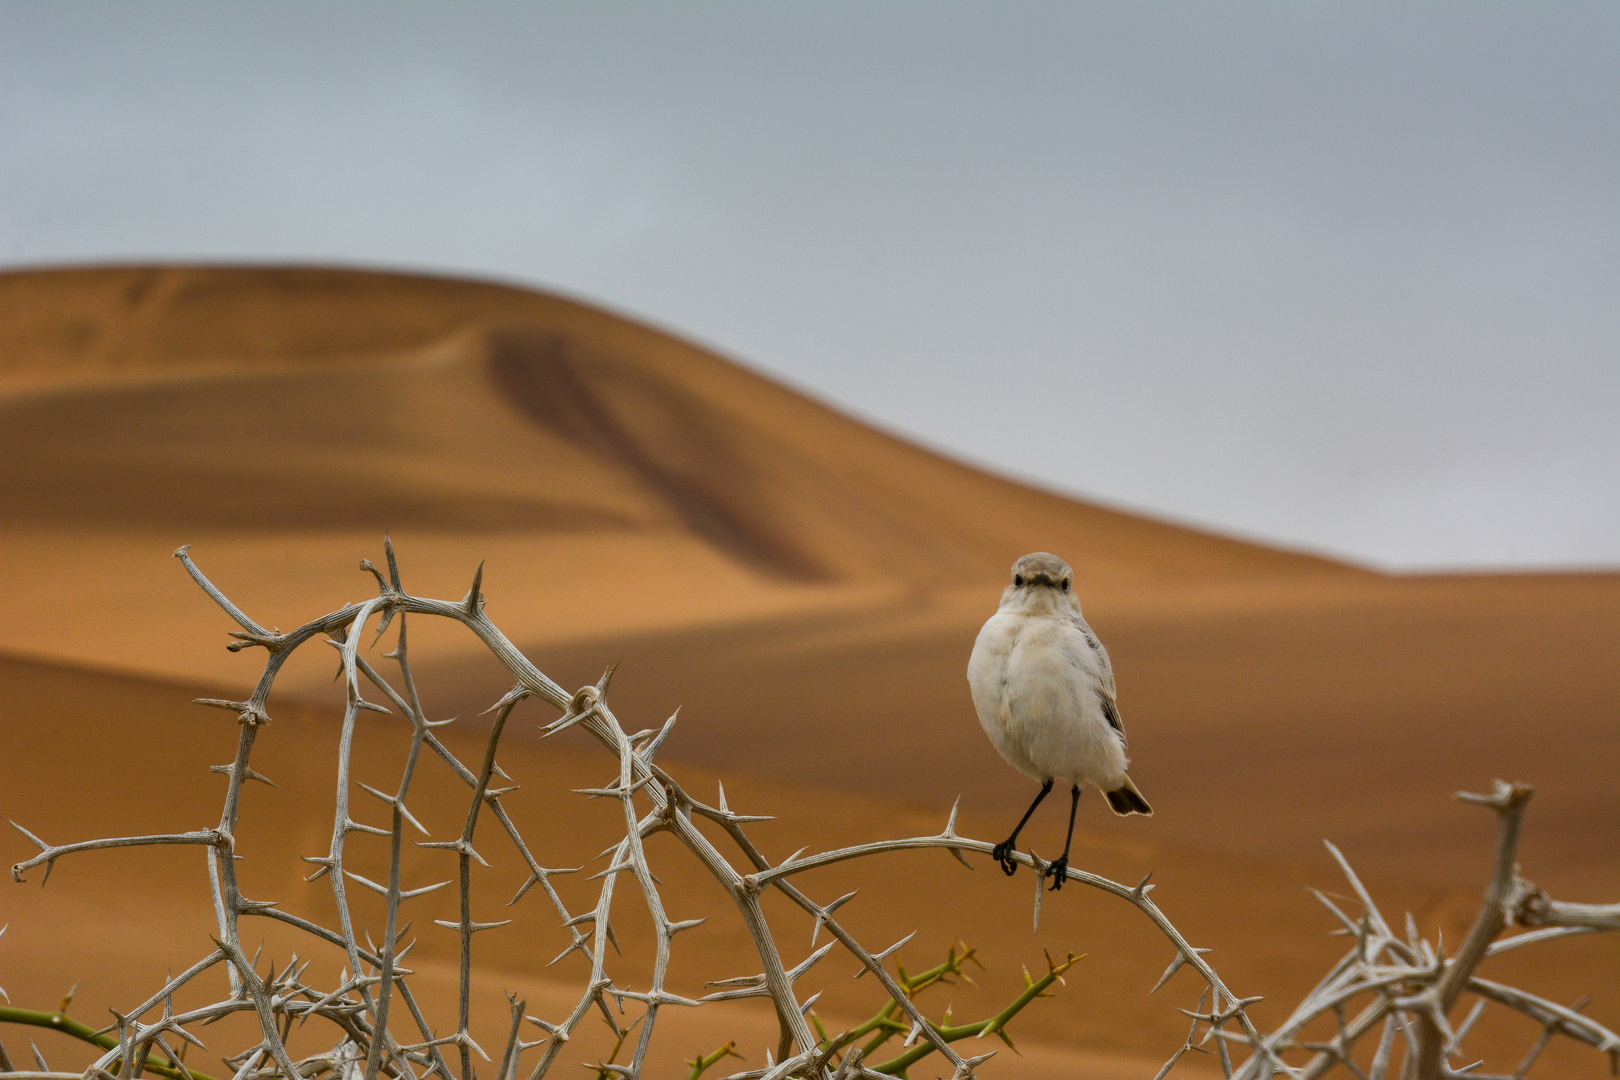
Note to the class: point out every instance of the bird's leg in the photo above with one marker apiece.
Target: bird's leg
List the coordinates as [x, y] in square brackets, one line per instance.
[1003, 851]
[1060, 869]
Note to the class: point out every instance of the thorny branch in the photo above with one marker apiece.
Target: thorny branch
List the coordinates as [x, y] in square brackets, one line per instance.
[1406, 987]
[1409, 986]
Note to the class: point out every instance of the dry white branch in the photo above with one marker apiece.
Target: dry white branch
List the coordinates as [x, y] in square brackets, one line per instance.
[1529, 906]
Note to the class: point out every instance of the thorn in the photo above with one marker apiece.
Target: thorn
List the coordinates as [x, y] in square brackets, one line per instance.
[810, 961]
[383, 890]
[579, 944]
[246, 712]
[965, 1070]
[42, 845]
[950, 834]
[382, 623]
[618, 792]
[371, 830]
[324, 864]
[473, 600]
[538, 876]
[247, 773]
[885, 954]
[582, 705]
[730, 816]
[472, 927]
[393, 564]
[1349, 924]
[658, 740]
[823, 914]
[511, 697]
[1040, 885]
[397, 804]
[1175, 966]
[616, 868]
[458, 845]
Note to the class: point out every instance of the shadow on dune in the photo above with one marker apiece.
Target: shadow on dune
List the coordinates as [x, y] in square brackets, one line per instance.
[680, 447]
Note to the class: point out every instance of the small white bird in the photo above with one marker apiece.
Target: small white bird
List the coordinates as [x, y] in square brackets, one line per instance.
[1044, 691]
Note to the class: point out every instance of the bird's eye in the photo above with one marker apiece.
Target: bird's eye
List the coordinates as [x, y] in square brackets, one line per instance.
[1065, 586]
[1018, 579]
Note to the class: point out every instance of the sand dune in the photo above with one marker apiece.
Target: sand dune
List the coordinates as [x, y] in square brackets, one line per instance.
[167, 371]
[805, 587]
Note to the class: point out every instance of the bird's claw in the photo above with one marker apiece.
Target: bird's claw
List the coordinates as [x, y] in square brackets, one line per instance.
[1003, 854]
[1059, 872]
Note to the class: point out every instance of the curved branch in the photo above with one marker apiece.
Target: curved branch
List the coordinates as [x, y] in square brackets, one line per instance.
[1135, 895]
[49, 853]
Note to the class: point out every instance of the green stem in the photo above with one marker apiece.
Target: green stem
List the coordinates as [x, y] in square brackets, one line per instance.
[996, 1025]
[702, 1063]
[886, 1026]
[884, 1022]
[57, 1021]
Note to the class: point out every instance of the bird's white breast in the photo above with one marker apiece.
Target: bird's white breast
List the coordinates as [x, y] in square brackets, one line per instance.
[1035, 683]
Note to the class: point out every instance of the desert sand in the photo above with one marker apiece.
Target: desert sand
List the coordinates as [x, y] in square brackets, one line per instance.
[804, 587]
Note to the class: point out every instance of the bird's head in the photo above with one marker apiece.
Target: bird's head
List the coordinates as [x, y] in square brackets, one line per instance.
[1040, 582]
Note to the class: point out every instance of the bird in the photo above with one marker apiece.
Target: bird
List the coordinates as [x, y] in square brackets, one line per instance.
[1043, 687]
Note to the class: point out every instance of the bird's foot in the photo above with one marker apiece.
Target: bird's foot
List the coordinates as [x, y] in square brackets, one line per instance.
[1003, 854]
[1058, 872]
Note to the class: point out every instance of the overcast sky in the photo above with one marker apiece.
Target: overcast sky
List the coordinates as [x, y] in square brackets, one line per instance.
[1343, 277]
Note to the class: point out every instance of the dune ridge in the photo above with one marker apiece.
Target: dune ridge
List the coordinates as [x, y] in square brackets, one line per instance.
[724, 448]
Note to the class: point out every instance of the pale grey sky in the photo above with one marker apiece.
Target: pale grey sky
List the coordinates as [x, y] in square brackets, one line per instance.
[1339, 276]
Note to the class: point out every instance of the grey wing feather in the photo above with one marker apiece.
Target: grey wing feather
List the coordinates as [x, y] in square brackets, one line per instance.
[1105, 672]
[1111, 711]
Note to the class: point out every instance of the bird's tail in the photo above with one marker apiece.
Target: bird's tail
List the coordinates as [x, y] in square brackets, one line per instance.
[1125, 799]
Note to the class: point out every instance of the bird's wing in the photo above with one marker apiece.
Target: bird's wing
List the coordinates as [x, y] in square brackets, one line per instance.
[1111, 711]
[1105, 678]
[1105, 669]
